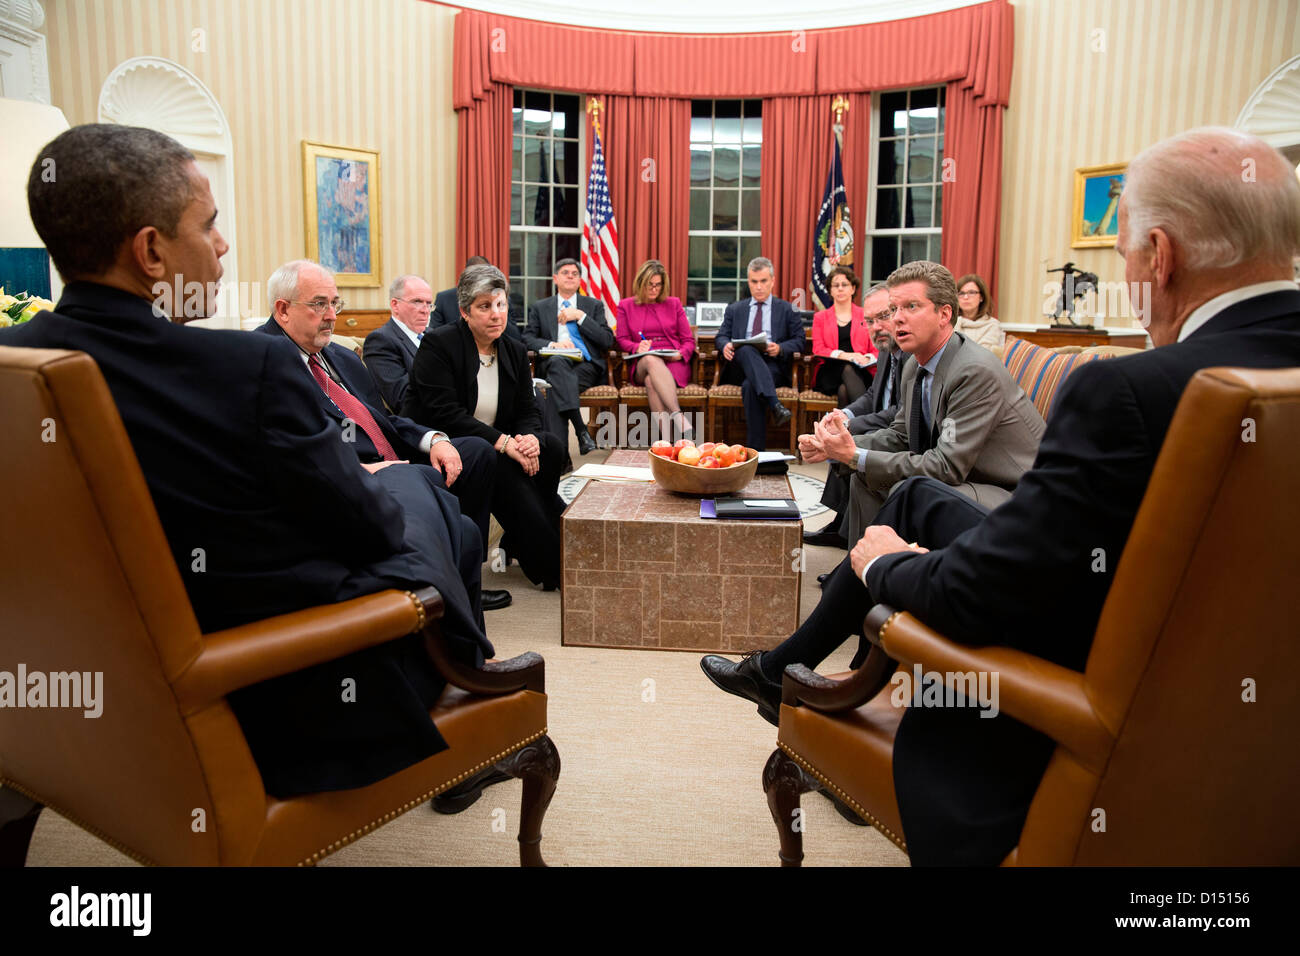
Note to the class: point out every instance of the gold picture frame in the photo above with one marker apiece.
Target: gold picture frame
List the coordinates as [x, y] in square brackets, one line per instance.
[342, 212]
[1095, 219]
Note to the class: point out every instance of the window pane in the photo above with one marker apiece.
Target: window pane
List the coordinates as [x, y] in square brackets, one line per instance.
[516, 287]
[753, 163]
[696, 292]
[516, 205]
[537, 113]
[884, 257]
[726, 166]
[750, 213]
[753, 126]
[726, 208]
[568, 246]
[936, 248]
[517, 115]
[517, 160]
[516, 258]
[699, 258]
[537, 254]
[566, 116]
[915, 248]
[701, 127]
[922, 99]
[889, 169]
[938, 207]
[701, 166]
[699, 209]
[893, 114]
[537, 210]
[724, 258]
[533, 162]
[566, 206]
[725, 292]
[567, 166]
[751, 247]
[923, 121]
[887, 208]
[920, 163]
[920, 199]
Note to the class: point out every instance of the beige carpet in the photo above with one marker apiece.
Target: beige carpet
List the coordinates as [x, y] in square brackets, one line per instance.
[659, 767]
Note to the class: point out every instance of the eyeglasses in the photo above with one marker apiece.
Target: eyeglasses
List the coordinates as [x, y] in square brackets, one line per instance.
[424, 305]
[321, 306]
[881, 316]
[967, 295]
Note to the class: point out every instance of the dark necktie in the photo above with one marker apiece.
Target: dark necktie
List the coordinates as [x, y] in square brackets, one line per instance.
[352, 407]
[918, 436]
[758, 320]
[887, 383]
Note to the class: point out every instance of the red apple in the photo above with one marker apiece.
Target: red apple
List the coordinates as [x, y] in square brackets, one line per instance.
[726, 458]
[741, 453]
[683, 443]
[707, 447]
[662, 449]
[689, 455]
[708, 461]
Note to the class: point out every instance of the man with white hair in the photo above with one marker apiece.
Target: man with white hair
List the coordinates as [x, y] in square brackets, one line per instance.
[1208, 225]
[390, 349]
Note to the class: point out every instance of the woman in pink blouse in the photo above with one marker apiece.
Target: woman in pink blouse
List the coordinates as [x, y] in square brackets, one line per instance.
[652, 319]
[842, 345]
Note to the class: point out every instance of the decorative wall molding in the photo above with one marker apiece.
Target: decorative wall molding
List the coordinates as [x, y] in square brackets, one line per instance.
[1273, 111]
[23, 56]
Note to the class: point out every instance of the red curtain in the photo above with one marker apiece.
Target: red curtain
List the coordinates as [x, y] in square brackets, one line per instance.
[483, 178]
[796, 157]
[647, 157]
[972, 189]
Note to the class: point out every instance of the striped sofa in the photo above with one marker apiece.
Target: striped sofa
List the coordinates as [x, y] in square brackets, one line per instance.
[1040, 372]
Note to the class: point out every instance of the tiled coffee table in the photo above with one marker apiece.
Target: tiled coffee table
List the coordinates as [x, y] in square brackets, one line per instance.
[643, 570]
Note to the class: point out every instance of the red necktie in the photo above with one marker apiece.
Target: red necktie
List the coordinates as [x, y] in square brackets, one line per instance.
[352, 408]
[758, 320]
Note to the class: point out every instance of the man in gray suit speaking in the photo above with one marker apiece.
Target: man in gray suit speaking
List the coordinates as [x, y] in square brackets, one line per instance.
[961, 419]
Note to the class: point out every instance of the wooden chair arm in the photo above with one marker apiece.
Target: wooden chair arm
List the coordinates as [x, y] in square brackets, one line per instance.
[251, 653]
[799, 685]
[527, 671]
[613, 359]
[1050, 698]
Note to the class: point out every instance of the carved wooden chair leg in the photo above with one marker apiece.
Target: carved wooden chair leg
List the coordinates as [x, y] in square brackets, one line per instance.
[784, 781]
[538, 765]
[18, 816]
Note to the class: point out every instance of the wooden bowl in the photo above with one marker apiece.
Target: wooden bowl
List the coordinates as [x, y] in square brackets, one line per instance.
[705, 482]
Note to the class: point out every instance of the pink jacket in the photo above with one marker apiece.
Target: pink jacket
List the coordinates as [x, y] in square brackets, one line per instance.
[664, 324]
[826, 336]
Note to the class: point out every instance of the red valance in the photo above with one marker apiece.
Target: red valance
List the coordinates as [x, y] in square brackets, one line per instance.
[972, 44]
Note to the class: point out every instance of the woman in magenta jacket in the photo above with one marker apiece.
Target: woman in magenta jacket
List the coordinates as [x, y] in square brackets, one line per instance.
[842, 344]
[652, 319]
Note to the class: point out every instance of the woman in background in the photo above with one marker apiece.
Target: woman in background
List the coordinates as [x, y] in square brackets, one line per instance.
[652, 319]
[842, 346]
[976, 320]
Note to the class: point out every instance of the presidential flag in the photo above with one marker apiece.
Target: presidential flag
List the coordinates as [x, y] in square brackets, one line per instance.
[600, 238]
[833, 234]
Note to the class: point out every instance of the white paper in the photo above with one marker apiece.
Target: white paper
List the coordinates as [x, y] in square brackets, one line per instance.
[614, 473]
[766, 456]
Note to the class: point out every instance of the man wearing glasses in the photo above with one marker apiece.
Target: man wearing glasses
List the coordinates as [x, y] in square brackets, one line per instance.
[390, 349]
[875, 409]
[306, 305]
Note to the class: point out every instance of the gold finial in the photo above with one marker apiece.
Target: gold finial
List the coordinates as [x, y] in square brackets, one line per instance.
[594, 107]
[840, 105]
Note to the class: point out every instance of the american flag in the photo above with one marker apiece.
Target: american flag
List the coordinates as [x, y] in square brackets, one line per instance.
[600, 238]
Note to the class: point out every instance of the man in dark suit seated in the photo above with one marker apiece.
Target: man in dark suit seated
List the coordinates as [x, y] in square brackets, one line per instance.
[390, 349]
[875, 409]
[300, 294]
[758, 371]
[242, 462]
[566, 320]
[1210, 252]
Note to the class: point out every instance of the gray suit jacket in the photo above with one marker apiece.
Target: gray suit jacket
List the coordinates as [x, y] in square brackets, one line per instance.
[986, 431]
[543, 326]
[870, 411]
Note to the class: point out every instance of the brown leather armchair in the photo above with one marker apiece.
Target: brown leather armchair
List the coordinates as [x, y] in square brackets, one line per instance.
[164, 773]
[1182, 725]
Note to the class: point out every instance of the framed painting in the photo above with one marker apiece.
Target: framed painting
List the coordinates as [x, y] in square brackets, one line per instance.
[342, 210]
[1095, 221]
[708, 315]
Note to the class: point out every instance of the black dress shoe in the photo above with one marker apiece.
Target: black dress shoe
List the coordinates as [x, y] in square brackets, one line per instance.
[780, 414]
[494, 600]
[843, 809]
[464, 795]
[745, 679]
[586, 444]
[827, 537]
[821, 579]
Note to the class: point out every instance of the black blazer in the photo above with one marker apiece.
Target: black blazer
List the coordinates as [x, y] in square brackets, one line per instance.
[1024, 576]
[402, 433]
[444, 386]
[389, 353]
[544, 326]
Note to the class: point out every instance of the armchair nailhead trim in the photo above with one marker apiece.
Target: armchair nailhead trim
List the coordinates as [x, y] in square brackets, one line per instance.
[419, 611]
[857, 807]
[94, 831]
[412, 804]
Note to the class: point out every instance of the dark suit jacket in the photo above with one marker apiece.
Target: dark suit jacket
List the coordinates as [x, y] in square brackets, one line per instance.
[389, 353]
[870, 412]
[444, 386]
[1024, 578]
[787, 328]
[402, 433]
[446, 311]
[241, 461]
[543, 326]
